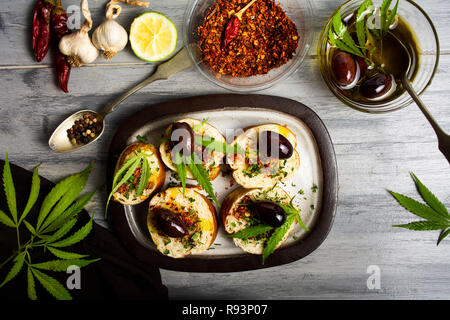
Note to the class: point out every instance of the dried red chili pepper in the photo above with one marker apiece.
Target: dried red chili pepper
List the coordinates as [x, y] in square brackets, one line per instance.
[59, 29]
[231, 31]
[41, 28]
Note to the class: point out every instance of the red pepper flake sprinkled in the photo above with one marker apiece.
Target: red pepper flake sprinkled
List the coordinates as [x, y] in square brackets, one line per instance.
[265, 38]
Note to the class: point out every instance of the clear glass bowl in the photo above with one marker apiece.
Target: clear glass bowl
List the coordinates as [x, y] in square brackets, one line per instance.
[299, 11]
[428, 45]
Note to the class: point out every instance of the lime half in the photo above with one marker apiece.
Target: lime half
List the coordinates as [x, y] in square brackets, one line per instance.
[153, 36]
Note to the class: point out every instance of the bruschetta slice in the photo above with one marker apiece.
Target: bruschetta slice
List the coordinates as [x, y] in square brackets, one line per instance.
[179, 224]
[211, 159]
[133, 191]
[253, 170]
[238, 213]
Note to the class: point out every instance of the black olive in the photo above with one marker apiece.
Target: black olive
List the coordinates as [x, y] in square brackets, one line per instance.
[183, 134]
[277, 146]
[271, 213]
[170, 223]
[362, 66]
[344, 68]
[376, 86]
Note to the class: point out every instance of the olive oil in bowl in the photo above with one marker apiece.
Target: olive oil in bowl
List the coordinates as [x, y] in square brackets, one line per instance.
[364, 54]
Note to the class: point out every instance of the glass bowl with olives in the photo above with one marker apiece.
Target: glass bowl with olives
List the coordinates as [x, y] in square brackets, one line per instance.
[359, 53]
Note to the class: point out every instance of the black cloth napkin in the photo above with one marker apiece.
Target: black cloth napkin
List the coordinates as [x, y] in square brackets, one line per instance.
[118, 275]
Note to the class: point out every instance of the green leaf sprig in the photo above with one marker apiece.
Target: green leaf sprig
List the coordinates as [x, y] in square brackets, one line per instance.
[125, 174]
[198, 171]
[277, 235]
[434, 213]
[219, 146]
[387, 17]
[340, 37]
[57, 217]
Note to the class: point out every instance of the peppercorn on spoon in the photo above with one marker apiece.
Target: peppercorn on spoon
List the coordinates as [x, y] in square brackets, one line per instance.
[59, 140]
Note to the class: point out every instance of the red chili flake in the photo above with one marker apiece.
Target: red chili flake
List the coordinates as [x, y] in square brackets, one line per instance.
[265, 38]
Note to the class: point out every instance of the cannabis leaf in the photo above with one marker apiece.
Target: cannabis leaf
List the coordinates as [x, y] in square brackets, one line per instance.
[31, 288]
[250, 232]
[10, 191]
[289, 209]
[278, 233]
[434, 212]
[181, 170]
[340, 37]
[277, 236]
[52, 285]
[126, 172]
[200, 125]
[364, 11]
[57, 214]
[387, 17]
[219, 146]
[201, 175]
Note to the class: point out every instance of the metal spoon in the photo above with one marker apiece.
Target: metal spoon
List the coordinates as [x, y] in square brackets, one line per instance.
[443, 137]
[60, 142]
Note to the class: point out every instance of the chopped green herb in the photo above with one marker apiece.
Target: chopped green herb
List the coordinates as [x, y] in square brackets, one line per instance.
[142, 139]
[252, 170]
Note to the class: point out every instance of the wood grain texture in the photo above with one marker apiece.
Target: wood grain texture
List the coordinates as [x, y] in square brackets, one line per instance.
[374, 152]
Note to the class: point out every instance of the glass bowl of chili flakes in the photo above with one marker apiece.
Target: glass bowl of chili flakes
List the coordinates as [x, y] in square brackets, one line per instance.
[266, 45]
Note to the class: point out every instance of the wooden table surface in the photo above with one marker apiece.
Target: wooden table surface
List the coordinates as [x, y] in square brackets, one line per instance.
[374, 153]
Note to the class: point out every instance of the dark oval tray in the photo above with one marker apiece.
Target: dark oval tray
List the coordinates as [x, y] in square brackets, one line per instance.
[229, 263]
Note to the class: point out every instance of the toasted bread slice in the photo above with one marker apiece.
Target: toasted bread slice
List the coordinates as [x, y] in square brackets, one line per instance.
[211, 163]
[127, 195]
[195, 210]
[236, 216]
[249, 172]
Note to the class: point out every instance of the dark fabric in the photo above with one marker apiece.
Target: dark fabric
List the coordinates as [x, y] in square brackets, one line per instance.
[118, 275]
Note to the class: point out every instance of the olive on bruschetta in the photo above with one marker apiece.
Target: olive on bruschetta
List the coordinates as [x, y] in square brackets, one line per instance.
[270, 156]
[259, 220]
[181, 224]
[187, 136]
[138, 174]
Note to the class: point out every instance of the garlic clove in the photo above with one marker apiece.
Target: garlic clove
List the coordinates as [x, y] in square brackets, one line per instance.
[79, 48]
[78, 45]
[110, 37]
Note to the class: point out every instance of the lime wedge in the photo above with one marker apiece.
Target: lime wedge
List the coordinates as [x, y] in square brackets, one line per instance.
[153, 36]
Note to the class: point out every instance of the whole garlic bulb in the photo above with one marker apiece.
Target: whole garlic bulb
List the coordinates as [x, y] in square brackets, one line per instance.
[77, 45]
[110, 36]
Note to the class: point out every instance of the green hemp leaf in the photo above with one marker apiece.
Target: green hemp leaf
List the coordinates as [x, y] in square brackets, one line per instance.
[58, 215]
[434, 213]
